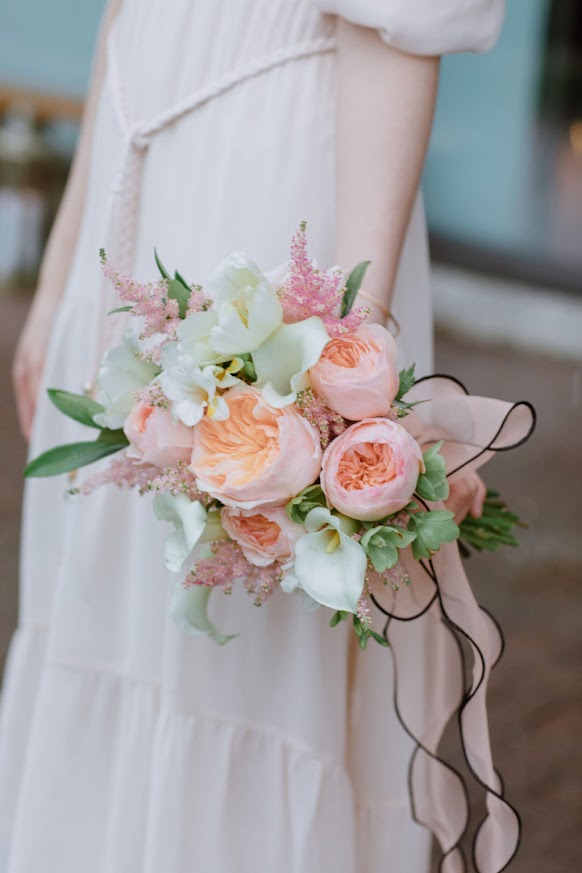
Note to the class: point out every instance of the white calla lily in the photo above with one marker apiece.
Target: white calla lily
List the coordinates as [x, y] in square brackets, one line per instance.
[248, 309]
[192, 389]
[189, 611]
[282, 362]
[329, 565]
[121, 374]
[189, 519]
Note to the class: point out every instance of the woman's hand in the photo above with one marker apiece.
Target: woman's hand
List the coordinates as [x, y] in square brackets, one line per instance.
[467, 496]
[30, 358]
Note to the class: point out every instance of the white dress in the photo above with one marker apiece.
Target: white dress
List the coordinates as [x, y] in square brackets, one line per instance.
[127, 746]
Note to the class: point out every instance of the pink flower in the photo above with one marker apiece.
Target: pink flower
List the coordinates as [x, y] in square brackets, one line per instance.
[258, 456]
[156, 438]
[356, 374]
[265, 535]
[371, 470]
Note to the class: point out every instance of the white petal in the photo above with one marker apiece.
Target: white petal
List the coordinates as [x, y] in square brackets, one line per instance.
[285, 357]
[333, 579]
[189, 519]
[235, 272]
[121, 374]
[264, 315]
[189, 611]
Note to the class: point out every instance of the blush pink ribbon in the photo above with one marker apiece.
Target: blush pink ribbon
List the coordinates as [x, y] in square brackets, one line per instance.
[438, 614]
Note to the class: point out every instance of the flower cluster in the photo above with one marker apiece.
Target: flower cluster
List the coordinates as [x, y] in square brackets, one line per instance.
[264, 416]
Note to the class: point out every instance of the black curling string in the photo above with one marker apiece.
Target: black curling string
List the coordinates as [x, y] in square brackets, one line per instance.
[468, 695]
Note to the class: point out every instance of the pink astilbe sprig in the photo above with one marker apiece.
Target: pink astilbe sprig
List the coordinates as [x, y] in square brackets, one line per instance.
[153, 395]
[307, 291]
[150, 300]
[328, 422]
[227, 565]
[122, 470]
[179, 480]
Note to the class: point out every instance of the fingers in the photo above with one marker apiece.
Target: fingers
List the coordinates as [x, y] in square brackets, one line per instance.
[479, 497]
[26, 380]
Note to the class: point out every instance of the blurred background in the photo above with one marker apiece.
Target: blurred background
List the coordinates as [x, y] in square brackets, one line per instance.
[503, 187]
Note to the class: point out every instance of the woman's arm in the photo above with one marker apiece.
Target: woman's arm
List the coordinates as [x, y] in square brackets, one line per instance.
[385, 106]
[32, 344]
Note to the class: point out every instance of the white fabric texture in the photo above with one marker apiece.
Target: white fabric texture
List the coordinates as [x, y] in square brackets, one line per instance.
[426, 27]
[127, 746]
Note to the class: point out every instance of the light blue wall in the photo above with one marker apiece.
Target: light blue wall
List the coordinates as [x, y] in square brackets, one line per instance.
[47, 45]
[478, 170]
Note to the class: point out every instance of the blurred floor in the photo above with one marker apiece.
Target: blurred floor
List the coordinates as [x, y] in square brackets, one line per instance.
[536, 592]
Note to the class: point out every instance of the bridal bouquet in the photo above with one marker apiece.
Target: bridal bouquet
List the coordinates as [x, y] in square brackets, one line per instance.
[278, 436]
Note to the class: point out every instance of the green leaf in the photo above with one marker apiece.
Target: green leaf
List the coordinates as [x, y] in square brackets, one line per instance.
[363, 642]
[335, 619]
[432, 530]
[249, 369]
[381, 544]
[432, 484]
[113, 437]
[407, 380]
[298, 507]
[358, 626]
[176, 291]
[163, 272]
[383, 558]
[120, 309]
[76, 406]
[353, 285]
[379, 638]
[64, 459]
[178, 276]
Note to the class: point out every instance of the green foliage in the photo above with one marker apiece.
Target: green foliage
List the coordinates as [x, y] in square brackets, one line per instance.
[249, 367]
[64, 459]
[407, 380]
[298, 507]
[432, 529]
[177, 288]
[120, 309]
[353, 285]
[381, 545]
[76, 406]
[433, 484]
[493, 530]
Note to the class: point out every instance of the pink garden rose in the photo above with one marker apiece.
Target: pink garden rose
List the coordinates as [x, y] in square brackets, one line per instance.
[371, 470]
[258, 456]
[265, 535]
[156, 438]
[356, 374]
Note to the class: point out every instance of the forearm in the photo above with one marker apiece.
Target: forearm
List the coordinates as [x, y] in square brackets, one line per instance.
[63, 237]
[385, 106]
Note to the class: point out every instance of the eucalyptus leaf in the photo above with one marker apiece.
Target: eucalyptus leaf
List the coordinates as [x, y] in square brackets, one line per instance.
[379, 639]
[64, 459]
[79, 407]
[353, 285]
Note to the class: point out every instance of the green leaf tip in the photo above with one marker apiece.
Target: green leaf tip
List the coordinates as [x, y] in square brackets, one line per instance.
[353, 285]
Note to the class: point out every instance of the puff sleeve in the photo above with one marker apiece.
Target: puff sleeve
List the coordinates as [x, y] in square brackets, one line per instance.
[426, 27]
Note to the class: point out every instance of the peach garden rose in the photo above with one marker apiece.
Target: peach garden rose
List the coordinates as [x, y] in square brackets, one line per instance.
[156, 437]
[371, 470]
[356, 374]
[258, 456]
[265, 534]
